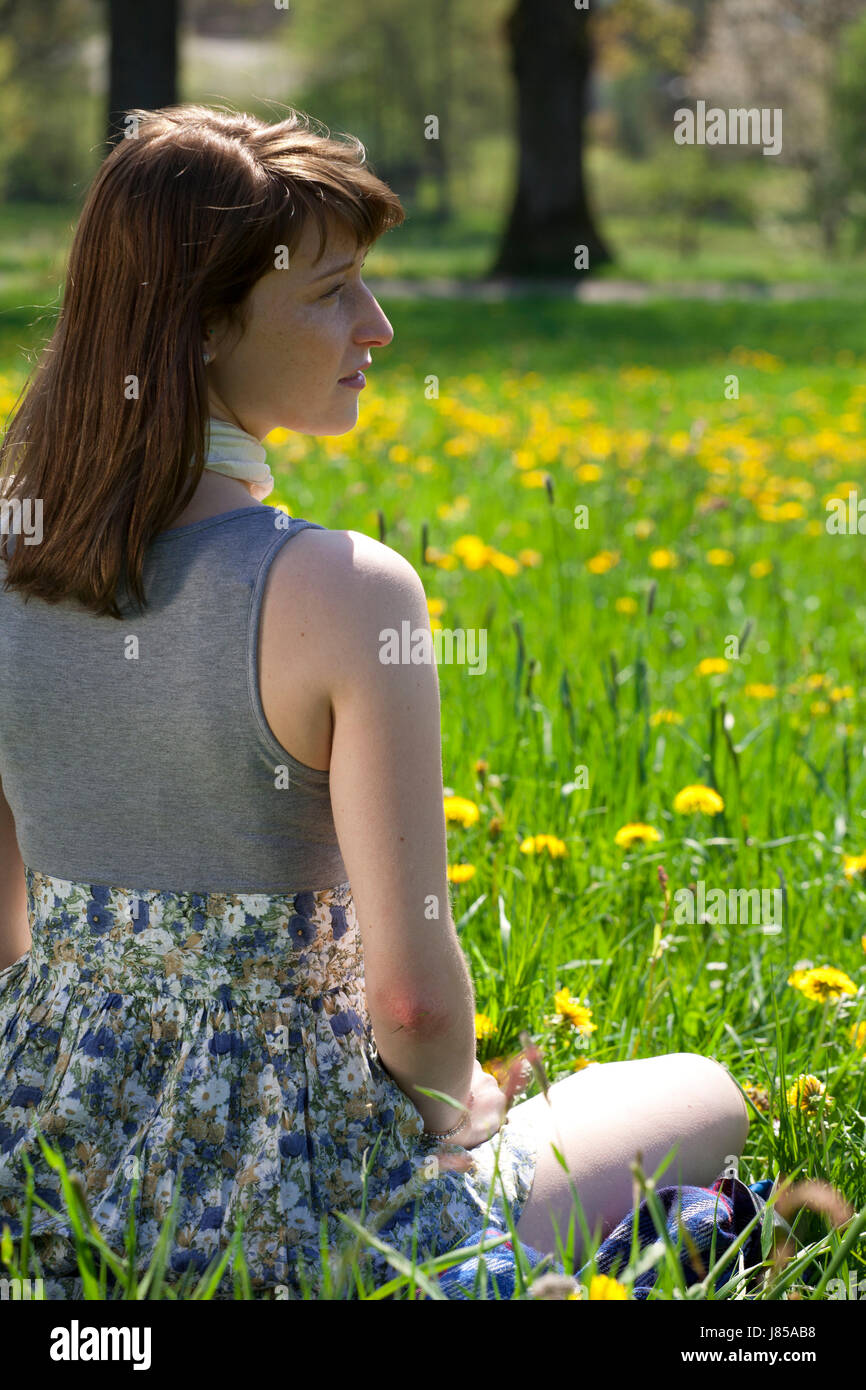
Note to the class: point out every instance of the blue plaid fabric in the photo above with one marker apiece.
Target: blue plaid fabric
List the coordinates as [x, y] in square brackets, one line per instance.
[722, 1212]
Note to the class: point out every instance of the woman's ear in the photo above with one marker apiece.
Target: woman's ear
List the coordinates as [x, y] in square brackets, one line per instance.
[219, 334]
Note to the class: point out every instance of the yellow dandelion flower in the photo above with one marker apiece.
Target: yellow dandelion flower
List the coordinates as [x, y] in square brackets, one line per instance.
[277, 436]
[758, 1096]
[636, 376]
[472, 550]
[460, 873]
[712, 666]
[759, 569]
[530, 559]
[484, 1027]
[498, 1068]
[663, 559]
[819, 707]
[597, 439]
[536, 477]
[459, 808]
[665, 716]
[854, 864]
[790, 511]
[536, 844]
[698, 798]
[841, 692]
[440, 558]
[808, 1094]
[821, 983]
[452, 511]
[858, 1036]
[436, 607]
[505, 564]
[602, 1287]
[756, 357]
[588, 473]
[626, 604]
[602, 562]
[644, 527]
[577, 1014]
[757, 691]
[720, 556]
[584, 1062]
[636, 832]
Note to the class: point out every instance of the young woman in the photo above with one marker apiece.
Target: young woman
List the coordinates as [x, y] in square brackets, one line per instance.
[221, 819]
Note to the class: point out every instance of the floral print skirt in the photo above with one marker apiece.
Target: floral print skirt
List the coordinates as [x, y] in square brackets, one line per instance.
[216, 1051]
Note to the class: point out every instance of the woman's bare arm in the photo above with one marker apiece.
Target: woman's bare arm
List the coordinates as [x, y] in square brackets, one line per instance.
[386, 792]
[14, 926]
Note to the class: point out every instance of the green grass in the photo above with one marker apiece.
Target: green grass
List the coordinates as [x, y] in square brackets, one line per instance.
[572, 681]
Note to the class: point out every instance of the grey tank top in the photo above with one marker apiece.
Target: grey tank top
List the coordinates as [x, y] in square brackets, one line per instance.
[136, 753]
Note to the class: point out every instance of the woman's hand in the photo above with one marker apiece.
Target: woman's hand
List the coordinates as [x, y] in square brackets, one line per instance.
[487, 1106]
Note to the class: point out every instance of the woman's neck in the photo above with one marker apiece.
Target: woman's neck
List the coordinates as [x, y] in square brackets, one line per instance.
[214, 495]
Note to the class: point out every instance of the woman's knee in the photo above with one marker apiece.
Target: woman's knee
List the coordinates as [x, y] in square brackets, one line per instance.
[605, 1117]
[715, 1086]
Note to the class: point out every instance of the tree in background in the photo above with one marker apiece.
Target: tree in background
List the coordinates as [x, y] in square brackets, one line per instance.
[142, 59]
[638, 53]
[450, 98]
[551, 58]
[430, 94]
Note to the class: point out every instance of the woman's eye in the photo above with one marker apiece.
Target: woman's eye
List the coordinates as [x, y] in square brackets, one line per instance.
[341, 286]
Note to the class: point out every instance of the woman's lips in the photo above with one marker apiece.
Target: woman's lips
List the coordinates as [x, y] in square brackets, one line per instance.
[357, 381]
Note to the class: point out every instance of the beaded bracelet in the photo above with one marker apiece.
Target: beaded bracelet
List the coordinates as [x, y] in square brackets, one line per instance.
[448, 1132]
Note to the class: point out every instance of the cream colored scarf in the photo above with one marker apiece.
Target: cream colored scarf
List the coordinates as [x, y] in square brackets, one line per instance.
[233, 452]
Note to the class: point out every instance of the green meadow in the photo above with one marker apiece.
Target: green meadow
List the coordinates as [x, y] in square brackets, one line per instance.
[631, 504]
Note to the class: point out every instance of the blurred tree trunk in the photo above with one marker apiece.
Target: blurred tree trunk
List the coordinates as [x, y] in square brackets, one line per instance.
[142, 65]
[552, 55]
[439, 149]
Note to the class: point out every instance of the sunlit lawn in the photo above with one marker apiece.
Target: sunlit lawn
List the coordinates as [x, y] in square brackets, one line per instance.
[706, 542]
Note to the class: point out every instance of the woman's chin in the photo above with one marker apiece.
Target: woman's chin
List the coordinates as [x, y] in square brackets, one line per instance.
[334, 423]
[342, 427]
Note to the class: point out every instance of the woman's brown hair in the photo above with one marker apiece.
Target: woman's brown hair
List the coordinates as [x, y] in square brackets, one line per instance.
[182, 218]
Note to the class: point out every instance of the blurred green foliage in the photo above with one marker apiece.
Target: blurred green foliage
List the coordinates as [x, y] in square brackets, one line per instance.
[669, 212]
[849, 110]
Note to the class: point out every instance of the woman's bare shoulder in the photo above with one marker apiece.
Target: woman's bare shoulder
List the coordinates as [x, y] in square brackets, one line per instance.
[339, 585]
[344, 563]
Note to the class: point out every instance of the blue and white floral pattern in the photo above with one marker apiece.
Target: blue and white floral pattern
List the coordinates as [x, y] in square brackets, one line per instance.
[217, 1049]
